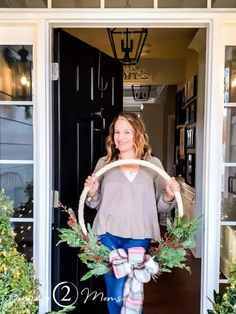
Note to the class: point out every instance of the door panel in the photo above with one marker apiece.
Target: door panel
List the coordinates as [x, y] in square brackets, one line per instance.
[81, 117]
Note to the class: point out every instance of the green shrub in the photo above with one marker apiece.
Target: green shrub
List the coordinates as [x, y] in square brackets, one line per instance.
[226, 303]
[18, 284]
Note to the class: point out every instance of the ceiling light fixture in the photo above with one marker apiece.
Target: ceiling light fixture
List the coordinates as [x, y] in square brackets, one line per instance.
[127, 44]
[141, 92]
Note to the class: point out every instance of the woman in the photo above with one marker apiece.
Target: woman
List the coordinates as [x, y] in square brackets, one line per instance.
[128, 197]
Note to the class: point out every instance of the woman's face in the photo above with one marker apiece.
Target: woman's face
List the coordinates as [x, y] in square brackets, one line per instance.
[124, 136]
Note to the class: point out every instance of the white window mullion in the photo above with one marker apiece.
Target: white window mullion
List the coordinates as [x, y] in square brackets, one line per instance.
[22, 219]
[16, 162]
[102, 4]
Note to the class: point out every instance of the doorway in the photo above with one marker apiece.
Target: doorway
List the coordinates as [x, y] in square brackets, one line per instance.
[164, 107]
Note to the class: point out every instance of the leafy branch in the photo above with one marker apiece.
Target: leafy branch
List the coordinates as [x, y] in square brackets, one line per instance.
[170, 252]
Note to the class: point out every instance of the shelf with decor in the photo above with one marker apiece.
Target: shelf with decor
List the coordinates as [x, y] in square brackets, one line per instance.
[185, 131]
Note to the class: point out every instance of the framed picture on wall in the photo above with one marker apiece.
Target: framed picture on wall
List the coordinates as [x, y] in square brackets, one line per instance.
[190, 137]
[190, 169]
[182, 143]
[192, 113]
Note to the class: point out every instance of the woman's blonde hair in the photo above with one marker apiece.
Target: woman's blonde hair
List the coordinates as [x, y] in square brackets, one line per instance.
[141, 143]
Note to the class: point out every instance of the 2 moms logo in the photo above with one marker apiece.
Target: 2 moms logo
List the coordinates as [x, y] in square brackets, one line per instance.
[66, 294]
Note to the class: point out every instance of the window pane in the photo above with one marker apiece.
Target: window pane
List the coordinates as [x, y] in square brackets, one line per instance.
[16, 73]
[16, 132]
[228, 206]
[24, 238]
[129, 4]
[17, 182]
[182, 3]
[229, 135]
[228, 248]
[223, 4]
[23, 4]
[230, 74]
[76, 3]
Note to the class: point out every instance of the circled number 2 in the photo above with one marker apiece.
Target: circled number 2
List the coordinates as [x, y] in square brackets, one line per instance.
[69, 288]
[68, 291]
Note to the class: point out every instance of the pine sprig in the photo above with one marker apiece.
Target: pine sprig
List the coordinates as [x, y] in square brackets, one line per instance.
[66, 309]
[92, 253]
[169, 257]
[170, 252]
[184, 230]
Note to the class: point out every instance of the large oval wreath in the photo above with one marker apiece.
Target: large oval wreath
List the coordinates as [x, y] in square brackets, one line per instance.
[169, 252]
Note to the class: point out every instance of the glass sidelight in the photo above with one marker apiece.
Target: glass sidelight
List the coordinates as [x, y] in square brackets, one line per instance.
[223, 4]
[229, 134]
[228, 187]
[16, 132]
[16, 73]
[182, 3]
[16, 139]
[76, 4]
[228, 194]
[23, 4]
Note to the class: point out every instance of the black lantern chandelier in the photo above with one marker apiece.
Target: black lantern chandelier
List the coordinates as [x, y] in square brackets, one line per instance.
[141, 92]
[127, 44]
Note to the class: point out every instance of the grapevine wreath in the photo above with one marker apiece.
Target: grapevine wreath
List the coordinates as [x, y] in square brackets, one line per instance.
[169, 252]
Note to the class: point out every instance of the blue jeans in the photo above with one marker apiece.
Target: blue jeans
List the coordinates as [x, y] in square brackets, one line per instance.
[115, 286]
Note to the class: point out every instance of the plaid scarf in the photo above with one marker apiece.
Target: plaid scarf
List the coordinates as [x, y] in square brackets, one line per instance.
[139, 267]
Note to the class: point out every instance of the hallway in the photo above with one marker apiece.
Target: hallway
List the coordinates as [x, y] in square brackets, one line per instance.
[175, 293]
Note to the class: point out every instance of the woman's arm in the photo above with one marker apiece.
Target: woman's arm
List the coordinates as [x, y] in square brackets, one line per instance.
[164, 190]
[93, 199]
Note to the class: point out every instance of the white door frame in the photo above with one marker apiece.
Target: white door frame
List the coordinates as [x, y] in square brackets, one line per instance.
[210, 246]
[45, 21]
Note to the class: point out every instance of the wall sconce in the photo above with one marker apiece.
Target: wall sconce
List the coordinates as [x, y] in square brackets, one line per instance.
[25, 67]
[20, 63]
[127, 44]
[141, 92]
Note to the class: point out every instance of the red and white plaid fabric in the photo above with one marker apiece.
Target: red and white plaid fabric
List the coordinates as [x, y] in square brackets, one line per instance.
[139, 267]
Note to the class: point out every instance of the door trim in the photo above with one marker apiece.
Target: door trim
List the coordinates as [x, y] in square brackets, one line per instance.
[45, 22]
[208, 273]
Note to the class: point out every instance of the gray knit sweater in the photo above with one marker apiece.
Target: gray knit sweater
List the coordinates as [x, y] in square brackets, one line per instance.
[129, 208]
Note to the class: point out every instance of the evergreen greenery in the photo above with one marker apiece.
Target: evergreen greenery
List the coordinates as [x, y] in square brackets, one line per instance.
[226, 303]
[170, 252]
[18, 285]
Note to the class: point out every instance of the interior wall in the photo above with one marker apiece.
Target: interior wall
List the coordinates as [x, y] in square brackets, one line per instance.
[153, 118]
[169, 133]
[164, 71]
[191, 67]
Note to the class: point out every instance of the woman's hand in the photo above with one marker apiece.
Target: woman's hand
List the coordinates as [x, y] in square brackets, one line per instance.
[171, 187]
[93, 184]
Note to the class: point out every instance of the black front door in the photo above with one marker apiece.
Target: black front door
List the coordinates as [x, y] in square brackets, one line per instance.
[82, 113]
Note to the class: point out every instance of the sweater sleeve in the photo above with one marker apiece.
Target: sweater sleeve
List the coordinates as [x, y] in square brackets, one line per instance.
[160, 183]
[95, 202]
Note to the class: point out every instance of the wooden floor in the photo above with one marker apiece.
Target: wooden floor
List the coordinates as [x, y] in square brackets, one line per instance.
[175, 293]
